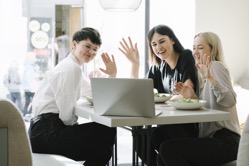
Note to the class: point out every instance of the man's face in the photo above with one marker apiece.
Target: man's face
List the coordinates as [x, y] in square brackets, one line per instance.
[85, 50]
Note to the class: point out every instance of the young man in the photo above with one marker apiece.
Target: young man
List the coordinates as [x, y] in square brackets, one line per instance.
[54, 128]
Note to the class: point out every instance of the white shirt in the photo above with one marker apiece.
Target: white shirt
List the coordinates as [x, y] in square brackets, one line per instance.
[60, 89]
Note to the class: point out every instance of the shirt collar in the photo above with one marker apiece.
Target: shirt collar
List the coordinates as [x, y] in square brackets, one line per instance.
[74, 58]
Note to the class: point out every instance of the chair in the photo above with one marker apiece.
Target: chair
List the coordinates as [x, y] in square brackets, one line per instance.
[243, 152]
[15, 147]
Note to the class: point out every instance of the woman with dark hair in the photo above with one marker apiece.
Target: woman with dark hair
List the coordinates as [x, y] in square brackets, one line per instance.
[170, 60]
[170, 63]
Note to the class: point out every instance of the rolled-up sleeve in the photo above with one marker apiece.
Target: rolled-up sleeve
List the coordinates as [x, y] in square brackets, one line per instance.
[223, 89]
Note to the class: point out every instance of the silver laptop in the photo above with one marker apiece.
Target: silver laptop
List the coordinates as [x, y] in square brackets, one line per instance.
[123, 97]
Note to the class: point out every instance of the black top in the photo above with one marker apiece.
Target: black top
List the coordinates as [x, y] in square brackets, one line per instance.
[164, 77]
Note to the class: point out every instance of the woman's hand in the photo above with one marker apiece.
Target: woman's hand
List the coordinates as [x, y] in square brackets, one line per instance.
[110, 64]
[130, 51]
[132, 54]
[204, 65]
[185, 90]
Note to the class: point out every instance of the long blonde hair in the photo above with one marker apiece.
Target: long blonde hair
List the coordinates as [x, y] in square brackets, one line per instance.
[217, 54]
[214, 42]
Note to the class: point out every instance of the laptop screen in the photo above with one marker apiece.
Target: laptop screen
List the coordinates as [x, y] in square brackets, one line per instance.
[123, 97]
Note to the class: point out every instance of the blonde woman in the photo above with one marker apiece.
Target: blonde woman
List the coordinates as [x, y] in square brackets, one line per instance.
[217, 142]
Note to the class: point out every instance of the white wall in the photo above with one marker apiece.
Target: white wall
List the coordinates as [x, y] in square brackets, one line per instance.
[177, 14]
[230, 20]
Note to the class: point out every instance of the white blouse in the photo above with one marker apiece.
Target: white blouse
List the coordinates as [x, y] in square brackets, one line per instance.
[60, 89]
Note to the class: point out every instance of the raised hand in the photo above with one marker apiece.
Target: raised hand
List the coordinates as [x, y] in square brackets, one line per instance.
[110, 64]
[203, 65]
[130, 51]
[132, 54]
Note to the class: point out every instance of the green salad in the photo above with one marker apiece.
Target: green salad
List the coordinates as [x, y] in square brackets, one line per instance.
[156, 94]
[184, 100]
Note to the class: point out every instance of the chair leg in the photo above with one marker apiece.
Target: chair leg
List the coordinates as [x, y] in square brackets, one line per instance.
[114, 154]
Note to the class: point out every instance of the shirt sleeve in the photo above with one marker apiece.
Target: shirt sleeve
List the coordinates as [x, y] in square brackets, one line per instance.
[85, 87]
[223, 89]
[66, 89]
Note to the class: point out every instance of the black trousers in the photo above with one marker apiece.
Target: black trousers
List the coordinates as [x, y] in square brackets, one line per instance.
[166, 132]
[215, 151]
[89, 142]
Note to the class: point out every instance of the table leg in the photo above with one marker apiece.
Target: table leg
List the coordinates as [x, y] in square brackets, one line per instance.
[134, 146]
[148, 130]
[143, 145]
[114, 154]
[135, 131]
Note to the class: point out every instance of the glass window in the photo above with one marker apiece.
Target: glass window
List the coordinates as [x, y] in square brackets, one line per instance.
[113, 26]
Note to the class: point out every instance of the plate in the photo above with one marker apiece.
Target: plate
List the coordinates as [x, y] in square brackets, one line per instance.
[162, 97]
[187, 105]
[89, 99]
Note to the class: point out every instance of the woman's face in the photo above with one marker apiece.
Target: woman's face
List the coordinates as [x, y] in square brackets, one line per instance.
[85, 50]
[200, 48]
[162, 46]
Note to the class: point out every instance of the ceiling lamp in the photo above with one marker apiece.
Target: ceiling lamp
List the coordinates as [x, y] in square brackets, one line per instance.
[120, 5]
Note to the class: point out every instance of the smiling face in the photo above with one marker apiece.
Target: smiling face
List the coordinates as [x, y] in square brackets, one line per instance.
[162, 46]
[84, 51]
[200, 48]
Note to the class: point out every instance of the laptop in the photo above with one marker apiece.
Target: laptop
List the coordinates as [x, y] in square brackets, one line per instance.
[123, 97]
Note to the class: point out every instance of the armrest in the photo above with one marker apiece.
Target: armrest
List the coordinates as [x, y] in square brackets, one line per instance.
[4, 147]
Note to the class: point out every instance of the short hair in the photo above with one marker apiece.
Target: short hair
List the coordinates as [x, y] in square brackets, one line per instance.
[87, 33]
[162, 30]
[214, 42]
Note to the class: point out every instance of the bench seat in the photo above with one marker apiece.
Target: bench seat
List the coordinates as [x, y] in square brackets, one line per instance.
[52, 160]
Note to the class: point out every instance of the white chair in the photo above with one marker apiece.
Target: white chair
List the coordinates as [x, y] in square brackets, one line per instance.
[15, 149]
[243, 152]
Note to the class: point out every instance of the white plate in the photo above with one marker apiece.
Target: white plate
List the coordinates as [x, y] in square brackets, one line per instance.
[89, 99]
[163, 97]
[187, 106]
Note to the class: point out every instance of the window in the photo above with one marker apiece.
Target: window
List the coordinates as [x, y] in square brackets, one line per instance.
[113, 26]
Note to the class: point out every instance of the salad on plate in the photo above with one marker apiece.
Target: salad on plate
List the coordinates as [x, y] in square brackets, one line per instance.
[187, 104]
[161, 97]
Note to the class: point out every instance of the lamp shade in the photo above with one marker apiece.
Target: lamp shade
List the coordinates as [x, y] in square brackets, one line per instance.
[120, 5]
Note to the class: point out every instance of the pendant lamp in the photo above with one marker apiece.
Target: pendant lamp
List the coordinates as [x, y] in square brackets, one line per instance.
[120, 5]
